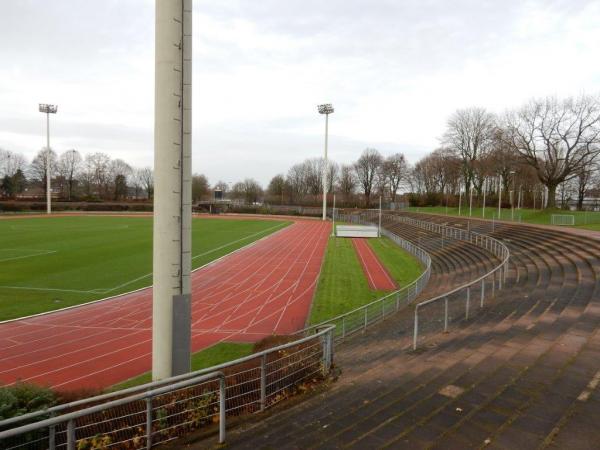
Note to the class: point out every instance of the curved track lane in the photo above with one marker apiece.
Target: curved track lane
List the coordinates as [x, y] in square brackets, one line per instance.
[263, 289]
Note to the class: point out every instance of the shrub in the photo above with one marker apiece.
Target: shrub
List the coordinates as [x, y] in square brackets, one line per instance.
[23, 398]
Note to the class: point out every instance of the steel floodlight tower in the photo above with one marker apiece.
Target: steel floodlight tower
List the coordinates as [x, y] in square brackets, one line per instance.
[48, 109]
[326, 109]
[171, 302]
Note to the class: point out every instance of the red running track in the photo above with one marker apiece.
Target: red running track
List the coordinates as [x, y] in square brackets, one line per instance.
[260, 290]
[378, 276]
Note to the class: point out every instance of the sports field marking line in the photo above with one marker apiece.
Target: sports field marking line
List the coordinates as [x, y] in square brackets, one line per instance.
[314, 249]
[254, 295]
[287, 293]
[223, 331]
[216, 330]
[284, 227]
[307, 245]
[364, 265]
[301, 239]
[31, 288]
[381, 266]
[229, 244]
[240, 263]
[250, 295]
[233, 288]
[28, 256]
[93, 344]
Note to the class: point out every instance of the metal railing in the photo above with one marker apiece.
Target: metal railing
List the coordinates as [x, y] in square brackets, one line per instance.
[493, 276]
[362, 317]
[153, 413]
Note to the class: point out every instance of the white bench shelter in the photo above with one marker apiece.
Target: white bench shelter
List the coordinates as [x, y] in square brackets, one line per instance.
[356, 231]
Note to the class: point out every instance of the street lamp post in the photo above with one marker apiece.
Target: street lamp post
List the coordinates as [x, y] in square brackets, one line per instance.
[48, 109]
[326, 109]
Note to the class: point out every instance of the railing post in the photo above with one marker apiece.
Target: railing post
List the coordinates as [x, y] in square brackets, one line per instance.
[398, 302]
[328, 352]
[445, 314]
[52, 437]
[343, 327]
[71, 434]
[366, 312]
[263, 382]
[482, 292]
[149, 423]
[222, 412]
[468, 302]
[416, 331]
[494, 284]
[499, 279]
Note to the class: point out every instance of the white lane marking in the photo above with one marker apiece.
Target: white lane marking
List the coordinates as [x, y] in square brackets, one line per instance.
[28, 256]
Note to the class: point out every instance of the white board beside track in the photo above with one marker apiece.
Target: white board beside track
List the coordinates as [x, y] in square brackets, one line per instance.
[358, 231]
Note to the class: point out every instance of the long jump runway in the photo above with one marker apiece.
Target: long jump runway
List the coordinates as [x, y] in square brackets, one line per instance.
[264, 289]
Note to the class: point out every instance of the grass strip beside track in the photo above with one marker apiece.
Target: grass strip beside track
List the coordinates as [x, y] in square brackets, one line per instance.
[211, 356]
[583, 219]
[53, 263]
[342, 283]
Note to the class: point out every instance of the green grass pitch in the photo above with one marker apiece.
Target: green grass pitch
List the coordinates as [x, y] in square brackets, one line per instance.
[343, 285]
[52, 263]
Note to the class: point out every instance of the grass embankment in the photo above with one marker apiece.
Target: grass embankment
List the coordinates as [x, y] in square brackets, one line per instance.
[212, 356]
[51, 263]
[342, 283]
[583, 219]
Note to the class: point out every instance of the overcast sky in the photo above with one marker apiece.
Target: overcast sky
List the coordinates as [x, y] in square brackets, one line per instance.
[394, 70]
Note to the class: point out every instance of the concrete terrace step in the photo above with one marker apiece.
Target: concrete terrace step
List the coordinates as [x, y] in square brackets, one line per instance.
[523, 372]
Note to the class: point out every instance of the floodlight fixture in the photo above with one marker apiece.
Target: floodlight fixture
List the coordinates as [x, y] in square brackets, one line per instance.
[326, 108]
[48, 109]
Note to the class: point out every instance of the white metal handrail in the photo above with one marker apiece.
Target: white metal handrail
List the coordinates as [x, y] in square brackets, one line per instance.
[494, 246]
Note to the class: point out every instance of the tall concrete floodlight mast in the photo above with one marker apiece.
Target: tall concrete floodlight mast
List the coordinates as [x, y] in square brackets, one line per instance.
[48, 109]
[325, 109]
[171, 307]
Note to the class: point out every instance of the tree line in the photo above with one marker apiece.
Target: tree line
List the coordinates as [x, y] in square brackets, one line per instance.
[73, 177]
[543, 152]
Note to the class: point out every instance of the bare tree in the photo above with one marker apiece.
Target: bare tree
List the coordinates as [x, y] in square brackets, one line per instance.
[11, 162]
[276, 188]
[296, 180]
[366, 169]
[97, 174]
[585, 179]
[346, 182]
[469, 135]
[200, 187]
[69, 164]
[395, 169]
[120, 175]
[37, 168]
[249, 190]
[147, 180]
[558, 138]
